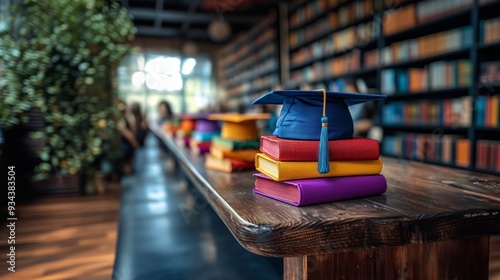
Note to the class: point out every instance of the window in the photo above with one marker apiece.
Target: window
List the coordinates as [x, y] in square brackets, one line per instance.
[148, 78]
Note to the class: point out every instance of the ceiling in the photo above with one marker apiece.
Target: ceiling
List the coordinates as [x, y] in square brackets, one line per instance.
[190, 19]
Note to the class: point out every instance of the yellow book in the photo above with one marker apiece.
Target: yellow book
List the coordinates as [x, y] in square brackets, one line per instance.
[245, 155]
[293, 170]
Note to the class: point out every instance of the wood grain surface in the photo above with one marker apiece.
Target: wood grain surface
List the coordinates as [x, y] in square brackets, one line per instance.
[431, 261]
[423, 203]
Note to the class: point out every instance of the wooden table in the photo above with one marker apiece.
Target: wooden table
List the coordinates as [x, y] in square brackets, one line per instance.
[432, 223]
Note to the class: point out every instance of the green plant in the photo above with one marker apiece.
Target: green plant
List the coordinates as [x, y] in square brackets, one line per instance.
[60, 56]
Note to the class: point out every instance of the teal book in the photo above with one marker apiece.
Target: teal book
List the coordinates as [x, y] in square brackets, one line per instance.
[232, 145]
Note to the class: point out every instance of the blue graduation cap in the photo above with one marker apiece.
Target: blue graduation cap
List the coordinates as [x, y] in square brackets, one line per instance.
[315, 115]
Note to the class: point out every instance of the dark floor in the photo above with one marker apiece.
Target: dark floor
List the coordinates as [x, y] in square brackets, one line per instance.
[167, 230]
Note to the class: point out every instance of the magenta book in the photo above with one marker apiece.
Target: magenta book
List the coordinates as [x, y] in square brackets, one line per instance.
[319, 190]
[307, 150]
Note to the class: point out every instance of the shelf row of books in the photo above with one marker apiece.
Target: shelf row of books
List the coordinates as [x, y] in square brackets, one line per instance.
[354, 36]
[422, 47]
[415, 14]
[488, 155]
[355, 10]
[320, 27]
[243, 62]
[486, 111]
[456, 112]
[233, 59]
[434, 76]
[350, 62]
[260, 69]
[437, 148]
[490, 30]
[261, 53]
[325, 25]
[258, 84]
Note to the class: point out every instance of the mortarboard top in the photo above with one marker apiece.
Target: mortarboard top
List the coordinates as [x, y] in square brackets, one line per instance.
[239, 127]
[302, 112]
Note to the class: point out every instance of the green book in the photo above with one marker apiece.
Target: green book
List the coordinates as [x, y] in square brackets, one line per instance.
[232, 145]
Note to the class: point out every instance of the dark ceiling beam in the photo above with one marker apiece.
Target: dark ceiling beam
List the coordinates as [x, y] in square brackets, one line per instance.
[178, 16]
[191, 11]
[158, 10]
[170, 32]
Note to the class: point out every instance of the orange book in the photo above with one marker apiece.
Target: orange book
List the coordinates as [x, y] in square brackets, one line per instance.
[487, 120]
[495, 100]
[402, 19]
[488, 28]
[463, 153]
[440, 43]
[421, 47]
[416, 76]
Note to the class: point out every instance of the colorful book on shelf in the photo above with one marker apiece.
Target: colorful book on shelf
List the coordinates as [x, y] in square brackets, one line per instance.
[227, 165]
[245, 155]
[488, 155]
[319, 190]
[231, 145]
[204, 136]
[292, 170]
[463, 152]
[307, 150]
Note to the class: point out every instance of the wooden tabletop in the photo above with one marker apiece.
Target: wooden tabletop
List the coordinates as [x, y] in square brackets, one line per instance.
[423, 203]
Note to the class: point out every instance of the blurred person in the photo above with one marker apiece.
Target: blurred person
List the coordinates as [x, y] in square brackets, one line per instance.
[138, 123]
[128, 140]
[165, 112]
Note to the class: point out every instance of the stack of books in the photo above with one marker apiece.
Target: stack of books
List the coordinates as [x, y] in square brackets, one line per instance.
[236, 147]
[201, 137]
[289, 170]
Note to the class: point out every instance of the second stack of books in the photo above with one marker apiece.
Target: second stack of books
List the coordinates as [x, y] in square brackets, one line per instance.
[289, 171]
[235, 148]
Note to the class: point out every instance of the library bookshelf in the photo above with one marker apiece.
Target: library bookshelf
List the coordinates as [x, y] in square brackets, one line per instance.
[438, 61]
[427, 56]
[250, 65]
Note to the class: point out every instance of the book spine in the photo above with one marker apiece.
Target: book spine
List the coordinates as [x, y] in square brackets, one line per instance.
[290, 170]
[289, 150]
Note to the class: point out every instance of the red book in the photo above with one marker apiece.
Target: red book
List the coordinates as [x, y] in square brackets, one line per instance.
[307, 150]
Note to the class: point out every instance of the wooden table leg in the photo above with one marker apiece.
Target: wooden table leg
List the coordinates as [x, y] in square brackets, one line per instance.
[454, 259]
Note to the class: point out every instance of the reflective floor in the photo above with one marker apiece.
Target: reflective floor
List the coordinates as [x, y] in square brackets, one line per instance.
[168, 231]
